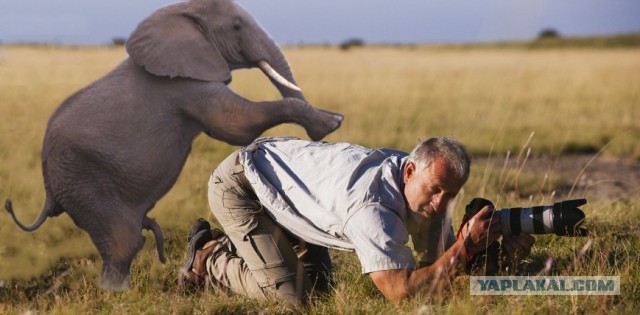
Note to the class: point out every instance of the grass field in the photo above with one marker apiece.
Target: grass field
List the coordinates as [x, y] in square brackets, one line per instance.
[573, 100]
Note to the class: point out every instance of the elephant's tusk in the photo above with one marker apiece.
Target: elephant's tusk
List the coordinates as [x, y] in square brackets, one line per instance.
[276, 76]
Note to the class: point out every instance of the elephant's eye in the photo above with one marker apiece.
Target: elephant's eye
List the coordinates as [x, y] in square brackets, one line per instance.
[237, 24]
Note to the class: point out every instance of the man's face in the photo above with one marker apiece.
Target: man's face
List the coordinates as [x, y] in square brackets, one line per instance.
[429, 190]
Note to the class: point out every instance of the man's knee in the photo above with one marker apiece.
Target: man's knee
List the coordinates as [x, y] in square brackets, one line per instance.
[255, 268]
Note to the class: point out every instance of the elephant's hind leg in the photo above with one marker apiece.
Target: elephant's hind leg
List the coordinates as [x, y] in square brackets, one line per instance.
[124, 243]
[118, 238]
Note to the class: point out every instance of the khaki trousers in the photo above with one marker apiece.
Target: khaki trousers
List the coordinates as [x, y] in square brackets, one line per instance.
[265, 261]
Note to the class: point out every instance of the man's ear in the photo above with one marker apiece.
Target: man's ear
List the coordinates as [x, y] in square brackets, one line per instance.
[409, 171]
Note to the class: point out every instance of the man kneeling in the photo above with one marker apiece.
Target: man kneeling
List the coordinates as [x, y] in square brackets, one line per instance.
[283, 201]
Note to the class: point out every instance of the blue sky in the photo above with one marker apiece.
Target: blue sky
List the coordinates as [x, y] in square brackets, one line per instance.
[332, 21]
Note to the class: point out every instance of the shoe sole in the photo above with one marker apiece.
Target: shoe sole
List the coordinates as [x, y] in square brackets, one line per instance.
[201, 224]
[197, 242]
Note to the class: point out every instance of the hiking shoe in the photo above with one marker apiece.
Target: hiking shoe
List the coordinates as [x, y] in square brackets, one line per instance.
[187, 274]
[199, 235]
[201, 224]
[202, 243]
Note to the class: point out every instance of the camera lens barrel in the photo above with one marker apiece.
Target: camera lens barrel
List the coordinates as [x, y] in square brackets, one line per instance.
[562, 218]
[533, 220]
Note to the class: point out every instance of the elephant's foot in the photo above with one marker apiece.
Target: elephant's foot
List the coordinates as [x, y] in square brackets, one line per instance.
[321, 123]
[114, 277]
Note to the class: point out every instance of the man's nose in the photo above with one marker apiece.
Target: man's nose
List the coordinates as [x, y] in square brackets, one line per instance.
[438, 203]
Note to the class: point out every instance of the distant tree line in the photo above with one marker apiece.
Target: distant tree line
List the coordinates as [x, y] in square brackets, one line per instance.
[548, 33]
[351, 43]
[118, 41]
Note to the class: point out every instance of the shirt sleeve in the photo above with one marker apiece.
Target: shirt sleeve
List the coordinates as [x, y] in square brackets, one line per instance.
[379, 237]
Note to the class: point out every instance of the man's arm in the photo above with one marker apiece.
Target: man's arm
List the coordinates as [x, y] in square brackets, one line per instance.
[400, 284]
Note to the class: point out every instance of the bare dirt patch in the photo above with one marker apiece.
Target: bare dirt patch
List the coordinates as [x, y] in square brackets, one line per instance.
[598, 178]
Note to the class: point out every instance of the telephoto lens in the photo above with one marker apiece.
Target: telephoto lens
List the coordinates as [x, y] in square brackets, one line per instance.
[563, 218]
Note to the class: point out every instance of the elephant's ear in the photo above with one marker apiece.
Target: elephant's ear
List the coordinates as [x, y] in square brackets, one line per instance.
[171, 43]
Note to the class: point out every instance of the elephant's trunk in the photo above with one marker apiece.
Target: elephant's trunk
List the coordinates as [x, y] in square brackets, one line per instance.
[273, 74]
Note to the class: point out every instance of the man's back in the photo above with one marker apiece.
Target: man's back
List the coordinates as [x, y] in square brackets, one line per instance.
[312, 188]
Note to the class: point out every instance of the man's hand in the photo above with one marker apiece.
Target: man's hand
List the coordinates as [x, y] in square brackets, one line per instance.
[481, 230]
[516, 247]
[399, 284]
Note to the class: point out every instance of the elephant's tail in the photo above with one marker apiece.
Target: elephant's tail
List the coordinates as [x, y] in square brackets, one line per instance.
[47, 211]
[151, 224]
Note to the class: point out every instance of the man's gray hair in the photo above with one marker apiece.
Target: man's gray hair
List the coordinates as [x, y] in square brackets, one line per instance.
[453, 152]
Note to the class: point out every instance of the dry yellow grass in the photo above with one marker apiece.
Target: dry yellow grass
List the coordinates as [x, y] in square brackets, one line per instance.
[572, 99]
[490, 99]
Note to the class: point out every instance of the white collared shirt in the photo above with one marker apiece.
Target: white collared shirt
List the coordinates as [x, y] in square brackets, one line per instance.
[341, 196]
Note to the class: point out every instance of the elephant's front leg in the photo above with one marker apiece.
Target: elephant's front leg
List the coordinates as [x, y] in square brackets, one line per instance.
[231, 118]
[317, 122]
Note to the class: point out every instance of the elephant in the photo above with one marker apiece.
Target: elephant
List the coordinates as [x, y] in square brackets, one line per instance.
[114, 148]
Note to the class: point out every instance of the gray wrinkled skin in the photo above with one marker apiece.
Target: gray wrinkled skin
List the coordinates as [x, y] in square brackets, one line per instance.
[112, 149]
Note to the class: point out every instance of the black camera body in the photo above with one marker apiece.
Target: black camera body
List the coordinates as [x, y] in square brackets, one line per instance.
[562, 218]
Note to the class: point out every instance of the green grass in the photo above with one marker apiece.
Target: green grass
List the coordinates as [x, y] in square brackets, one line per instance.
[492, 99]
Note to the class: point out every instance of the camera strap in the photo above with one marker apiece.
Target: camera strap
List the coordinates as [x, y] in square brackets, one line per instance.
[465, 220]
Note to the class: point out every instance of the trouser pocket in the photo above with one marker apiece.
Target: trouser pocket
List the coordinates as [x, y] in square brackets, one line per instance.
[269, 255]
[267, 250]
